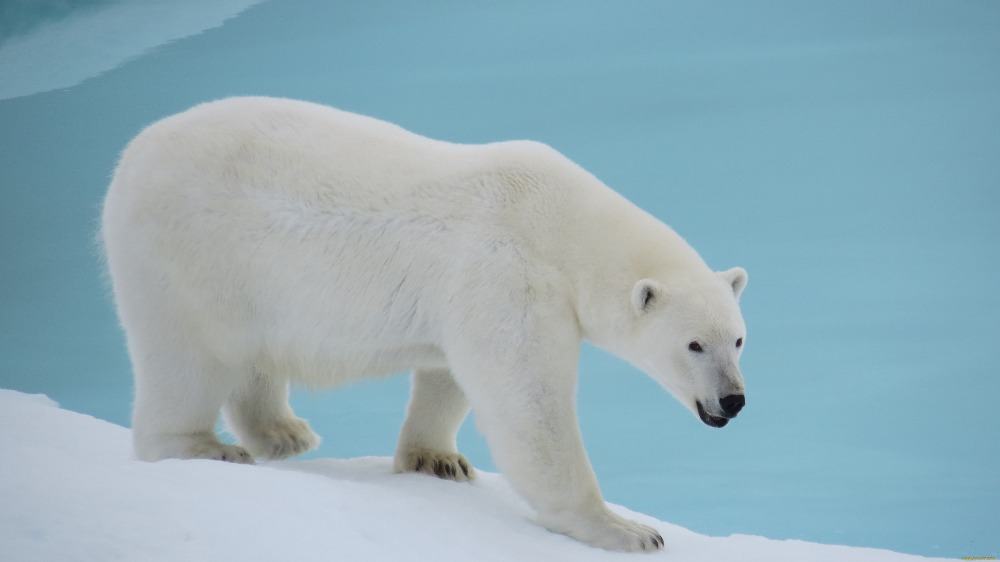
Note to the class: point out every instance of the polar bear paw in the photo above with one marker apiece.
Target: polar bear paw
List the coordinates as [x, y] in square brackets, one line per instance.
[449, 466]
[283, 438]
[606, 530]
[152, 447]
[220, 452]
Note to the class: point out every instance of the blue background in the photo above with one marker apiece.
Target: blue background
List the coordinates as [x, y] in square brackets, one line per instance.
[845, 152]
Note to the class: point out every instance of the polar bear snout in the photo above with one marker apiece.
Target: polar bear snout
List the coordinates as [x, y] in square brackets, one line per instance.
[730, 405]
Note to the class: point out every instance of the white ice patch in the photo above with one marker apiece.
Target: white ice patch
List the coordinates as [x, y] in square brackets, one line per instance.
[86, 43]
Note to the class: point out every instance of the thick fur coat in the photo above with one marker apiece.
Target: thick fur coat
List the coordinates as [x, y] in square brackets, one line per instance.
[258, 242]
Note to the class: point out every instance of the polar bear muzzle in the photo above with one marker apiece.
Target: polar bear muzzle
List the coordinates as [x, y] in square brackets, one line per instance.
[731, 405]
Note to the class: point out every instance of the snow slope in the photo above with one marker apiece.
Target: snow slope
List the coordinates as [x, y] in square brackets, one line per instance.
[70, 491]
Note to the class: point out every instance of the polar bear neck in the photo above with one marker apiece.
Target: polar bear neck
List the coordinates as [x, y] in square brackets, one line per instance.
[622, 245]
[614, 242]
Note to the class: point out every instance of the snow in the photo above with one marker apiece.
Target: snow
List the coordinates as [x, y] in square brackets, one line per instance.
[71, 491]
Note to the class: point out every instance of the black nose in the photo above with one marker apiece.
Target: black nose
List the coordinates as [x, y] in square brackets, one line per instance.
[732, 404]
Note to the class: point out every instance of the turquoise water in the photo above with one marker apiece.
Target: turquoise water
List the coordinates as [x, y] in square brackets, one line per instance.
[846, 153]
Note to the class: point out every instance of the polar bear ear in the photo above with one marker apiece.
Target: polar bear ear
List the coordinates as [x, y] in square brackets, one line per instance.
[646, 294]
[737, 279]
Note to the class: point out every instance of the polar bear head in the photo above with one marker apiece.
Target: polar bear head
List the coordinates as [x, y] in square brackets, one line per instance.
[688, 335]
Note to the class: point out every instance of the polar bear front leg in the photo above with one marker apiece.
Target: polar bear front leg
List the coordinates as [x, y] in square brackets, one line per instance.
[259, 415]
[529, 418]
[427, 440]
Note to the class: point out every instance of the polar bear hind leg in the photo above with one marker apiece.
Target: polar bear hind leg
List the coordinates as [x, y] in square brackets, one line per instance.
[177, 400]
[259, 415]
[427, 441]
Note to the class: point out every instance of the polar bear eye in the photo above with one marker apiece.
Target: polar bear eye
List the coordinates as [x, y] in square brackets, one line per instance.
[696, 347]
[739, 342]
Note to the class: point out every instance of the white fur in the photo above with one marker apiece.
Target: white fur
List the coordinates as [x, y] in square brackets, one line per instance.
[254, 242]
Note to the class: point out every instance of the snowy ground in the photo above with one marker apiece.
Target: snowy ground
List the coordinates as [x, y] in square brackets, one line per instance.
[71, 492]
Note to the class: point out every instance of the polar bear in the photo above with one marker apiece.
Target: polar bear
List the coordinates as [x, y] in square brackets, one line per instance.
[258, 242]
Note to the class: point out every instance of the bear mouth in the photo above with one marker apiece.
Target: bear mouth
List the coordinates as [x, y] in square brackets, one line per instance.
[709, 419]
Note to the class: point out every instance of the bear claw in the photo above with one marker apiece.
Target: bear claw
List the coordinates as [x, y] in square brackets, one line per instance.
[447, 466]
